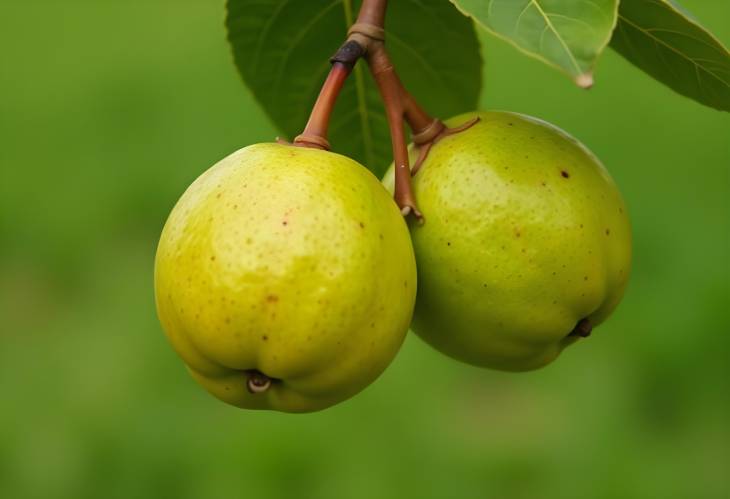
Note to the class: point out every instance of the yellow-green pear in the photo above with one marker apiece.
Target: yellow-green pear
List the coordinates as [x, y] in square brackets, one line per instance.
[526, 244]
[285, 278]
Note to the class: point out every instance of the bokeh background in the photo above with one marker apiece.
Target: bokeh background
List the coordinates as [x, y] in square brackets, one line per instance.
[108, 110]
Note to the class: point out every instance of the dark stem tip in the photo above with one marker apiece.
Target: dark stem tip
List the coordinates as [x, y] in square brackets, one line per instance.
[348, 54]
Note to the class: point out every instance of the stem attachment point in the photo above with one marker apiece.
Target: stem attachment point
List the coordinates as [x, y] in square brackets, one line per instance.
[425, 139]
[313, 141]
[429, 133]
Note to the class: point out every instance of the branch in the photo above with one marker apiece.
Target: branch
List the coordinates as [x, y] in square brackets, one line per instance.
[366, 38]
[392, 93]
[369, 32]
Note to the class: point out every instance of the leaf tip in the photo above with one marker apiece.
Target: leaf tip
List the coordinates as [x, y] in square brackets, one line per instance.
[584, 80]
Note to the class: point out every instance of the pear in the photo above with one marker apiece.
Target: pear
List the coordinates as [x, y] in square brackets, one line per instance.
[285, 278]
[526, 245]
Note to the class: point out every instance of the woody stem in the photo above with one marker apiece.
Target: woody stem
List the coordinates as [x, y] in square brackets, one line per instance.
[392, 93]
[367, 39]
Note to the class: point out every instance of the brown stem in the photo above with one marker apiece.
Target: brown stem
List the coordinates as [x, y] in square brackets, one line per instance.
[366, 38]
[369, 32]
[392, 92]
[373, 12]
[315, 133]
[419, 121]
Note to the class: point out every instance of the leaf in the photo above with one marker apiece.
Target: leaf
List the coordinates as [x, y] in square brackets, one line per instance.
[282, 48]
[567, 34]
[666, 42]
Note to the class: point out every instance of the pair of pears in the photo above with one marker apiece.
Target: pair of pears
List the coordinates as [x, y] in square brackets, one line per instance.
[286, 277]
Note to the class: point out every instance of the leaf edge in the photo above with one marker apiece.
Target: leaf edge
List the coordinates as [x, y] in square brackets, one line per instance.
[583, 80]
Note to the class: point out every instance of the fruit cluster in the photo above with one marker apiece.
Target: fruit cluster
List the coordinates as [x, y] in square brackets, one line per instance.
[286, 277]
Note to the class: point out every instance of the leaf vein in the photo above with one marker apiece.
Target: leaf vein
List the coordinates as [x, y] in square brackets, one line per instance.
[673, 49]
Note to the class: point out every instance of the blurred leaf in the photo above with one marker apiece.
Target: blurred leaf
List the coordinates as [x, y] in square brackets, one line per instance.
[566, 34]
[281, 49]
[666, 42]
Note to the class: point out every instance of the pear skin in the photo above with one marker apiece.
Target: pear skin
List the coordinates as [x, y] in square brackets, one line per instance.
[526, 244]
[285, 278]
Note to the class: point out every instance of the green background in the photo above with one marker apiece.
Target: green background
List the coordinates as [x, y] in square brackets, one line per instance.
[108, 110]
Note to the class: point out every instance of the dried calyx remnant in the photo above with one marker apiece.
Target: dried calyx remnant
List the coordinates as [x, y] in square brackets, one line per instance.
[582, 329]
[257, 382]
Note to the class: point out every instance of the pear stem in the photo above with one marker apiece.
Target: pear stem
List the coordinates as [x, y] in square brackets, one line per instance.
[315, 133]
[400, 106]
[392, 92]
[366, 38]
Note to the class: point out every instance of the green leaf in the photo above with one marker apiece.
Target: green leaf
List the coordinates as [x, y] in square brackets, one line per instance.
[567, 34]
[666, 42]
[281, 49]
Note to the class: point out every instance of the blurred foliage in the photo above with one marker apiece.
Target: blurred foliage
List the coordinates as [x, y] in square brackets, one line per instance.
[108, 110]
